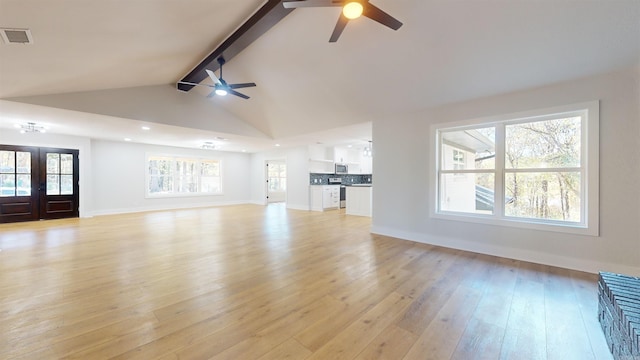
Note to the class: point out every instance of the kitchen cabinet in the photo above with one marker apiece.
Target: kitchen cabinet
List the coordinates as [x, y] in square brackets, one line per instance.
[321, 159]
[366, 165]
[341, 155]
[359, 199]
[331, 197]
[321, 166]
[324, 197]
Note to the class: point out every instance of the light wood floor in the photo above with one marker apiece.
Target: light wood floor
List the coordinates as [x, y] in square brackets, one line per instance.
[253, 282]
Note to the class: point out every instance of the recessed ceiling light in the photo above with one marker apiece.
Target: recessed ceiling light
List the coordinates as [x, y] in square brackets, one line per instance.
[127, 139]
[244, 150]
[349, 146]
[146, 128]
[277, 145]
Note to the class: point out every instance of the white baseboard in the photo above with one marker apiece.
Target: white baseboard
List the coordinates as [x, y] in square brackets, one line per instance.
[297, 206]
[589, 266]
[161, 208]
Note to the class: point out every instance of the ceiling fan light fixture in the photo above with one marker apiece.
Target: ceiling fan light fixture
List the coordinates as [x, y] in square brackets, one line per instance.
[221, 91]
[352, 10]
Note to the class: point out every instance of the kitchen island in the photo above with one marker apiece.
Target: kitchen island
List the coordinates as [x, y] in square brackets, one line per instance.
[359, 199]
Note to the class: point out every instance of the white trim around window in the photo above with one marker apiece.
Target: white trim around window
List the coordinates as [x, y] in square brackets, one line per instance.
[479, 185]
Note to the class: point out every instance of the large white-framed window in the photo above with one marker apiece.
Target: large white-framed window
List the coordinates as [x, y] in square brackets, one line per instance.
[169, 175]
[537, 169]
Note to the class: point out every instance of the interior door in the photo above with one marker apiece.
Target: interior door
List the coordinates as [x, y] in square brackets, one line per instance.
[58, 187]
[19, 176]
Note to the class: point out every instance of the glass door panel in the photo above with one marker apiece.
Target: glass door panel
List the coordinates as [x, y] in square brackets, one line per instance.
[18, 182]
[15, 173]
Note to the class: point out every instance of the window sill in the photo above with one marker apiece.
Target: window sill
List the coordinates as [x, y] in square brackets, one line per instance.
[529, 224]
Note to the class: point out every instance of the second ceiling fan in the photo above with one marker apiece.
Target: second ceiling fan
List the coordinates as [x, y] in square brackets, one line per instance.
[220, 87]
[351, 9]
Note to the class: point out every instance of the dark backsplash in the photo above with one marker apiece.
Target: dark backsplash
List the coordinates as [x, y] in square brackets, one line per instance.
[323, 179]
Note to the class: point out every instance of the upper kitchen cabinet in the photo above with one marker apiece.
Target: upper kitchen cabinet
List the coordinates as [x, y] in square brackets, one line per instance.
[358, 162]
[321, 159]
[366, 165]
[341, 155]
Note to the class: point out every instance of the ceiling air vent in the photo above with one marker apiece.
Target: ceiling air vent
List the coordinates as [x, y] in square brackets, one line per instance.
[16, 36]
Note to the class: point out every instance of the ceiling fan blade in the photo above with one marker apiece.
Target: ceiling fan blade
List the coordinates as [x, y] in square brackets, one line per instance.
[312, 3]
[233, 92]
[211, 94]
[374, 13]
[340, 25]
[213, 76]
[243, 85]
[194, 84]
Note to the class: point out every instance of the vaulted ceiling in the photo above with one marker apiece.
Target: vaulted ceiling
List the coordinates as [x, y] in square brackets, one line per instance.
[98, 65]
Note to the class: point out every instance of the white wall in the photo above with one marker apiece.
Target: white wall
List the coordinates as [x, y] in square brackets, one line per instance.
[112, 174]
[402, 162]
[83, 145]
[297, 160]
[119, 178]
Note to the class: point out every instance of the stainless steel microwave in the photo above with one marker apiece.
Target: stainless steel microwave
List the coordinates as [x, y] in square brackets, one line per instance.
[342, 169]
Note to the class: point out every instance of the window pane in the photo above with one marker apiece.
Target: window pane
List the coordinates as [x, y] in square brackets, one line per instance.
[186, 167]
[7, 162]
[7, 185]
[543, 144]
[53, 163]
[24, 162]
[210, 184]
[187, 184]
[66, 164]
[209, 168]
[160, 184]
[160, 166]
[53, 183]
[274, 184]
[470, 193]
[24, 184]
[468, 149]
[546, 195]
[66, 184]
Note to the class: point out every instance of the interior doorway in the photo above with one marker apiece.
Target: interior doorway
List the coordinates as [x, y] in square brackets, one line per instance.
[38, 183]
[276, 173]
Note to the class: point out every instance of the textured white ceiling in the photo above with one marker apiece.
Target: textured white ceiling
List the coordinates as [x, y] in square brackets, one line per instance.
[447, 51]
